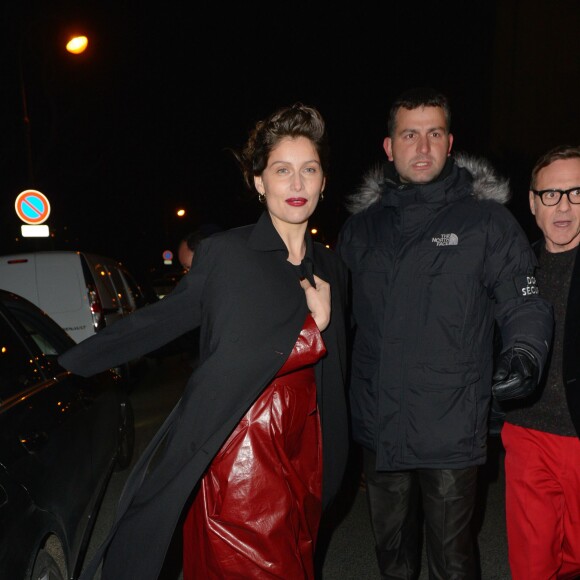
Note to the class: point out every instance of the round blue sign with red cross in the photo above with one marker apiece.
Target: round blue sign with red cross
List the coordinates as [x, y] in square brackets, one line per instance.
[168, 255]
[32, 207]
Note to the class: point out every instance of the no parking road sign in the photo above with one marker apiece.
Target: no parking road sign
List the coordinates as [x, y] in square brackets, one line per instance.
[32, 207]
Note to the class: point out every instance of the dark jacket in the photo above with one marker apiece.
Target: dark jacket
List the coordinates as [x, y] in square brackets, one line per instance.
[432, 266]
[247, 298]
[571, 344]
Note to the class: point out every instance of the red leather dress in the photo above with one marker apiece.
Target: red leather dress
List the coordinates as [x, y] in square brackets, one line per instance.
[258, 508]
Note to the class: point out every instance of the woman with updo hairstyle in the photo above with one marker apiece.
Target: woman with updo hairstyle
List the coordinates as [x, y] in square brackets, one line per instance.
[256, 448]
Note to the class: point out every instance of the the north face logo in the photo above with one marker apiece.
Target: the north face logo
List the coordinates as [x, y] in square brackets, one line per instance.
[446, 240]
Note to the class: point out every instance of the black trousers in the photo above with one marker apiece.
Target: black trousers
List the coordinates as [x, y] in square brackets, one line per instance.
[447, 497]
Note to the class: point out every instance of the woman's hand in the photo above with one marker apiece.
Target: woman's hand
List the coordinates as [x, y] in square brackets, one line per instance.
[318, 300]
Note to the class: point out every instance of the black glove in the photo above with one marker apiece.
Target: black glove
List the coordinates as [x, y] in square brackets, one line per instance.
[516, 374]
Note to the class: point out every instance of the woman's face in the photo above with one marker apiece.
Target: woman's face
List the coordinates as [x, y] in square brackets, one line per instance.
[292, 181]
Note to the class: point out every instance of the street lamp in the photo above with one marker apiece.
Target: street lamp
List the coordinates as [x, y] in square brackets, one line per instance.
[32, 206]
[76, 45]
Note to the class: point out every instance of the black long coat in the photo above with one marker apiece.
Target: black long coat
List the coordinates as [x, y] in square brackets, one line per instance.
[246, 296]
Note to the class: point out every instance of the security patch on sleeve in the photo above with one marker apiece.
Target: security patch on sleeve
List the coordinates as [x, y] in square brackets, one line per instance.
[520, 286]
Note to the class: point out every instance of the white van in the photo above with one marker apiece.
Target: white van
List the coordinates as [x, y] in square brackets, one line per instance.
[82, 292]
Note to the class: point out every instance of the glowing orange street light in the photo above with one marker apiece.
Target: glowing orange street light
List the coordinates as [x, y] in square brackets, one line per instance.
[313, 231]
[77, 44]
[180, 212]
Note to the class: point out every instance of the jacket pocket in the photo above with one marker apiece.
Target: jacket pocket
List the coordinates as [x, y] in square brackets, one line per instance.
[441, 406]
[446, 313]
[370, 272]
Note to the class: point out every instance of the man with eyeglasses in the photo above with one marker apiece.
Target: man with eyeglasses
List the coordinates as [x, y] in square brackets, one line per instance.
[541, 435]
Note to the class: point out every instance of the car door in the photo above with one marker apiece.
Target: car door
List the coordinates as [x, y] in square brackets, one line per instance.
[58, 432]
[134, 292]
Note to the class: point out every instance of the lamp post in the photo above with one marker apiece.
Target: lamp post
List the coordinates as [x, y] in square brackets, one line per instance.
[75, 45]
[26, 123]
[31, 46]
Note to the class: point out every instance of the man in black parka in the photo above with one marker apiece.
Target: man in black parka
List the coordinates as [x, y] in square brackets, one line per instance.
[435, 259]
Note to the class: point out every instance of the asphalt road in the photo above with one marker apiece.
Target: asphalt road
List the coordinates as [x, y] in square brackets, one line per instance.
[345, 550]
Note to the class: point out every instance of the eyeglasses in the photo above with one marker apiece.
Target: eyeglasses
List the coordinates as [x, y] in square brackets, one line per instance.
[553, 196]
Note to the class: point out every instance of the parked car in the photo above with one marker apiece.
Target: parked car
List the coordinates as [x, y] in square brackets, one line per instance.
[82, 292]
[61, 438]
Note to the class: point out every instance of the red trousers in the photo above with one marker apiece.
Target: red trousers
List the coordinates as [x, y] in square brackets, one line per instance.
[542, 474]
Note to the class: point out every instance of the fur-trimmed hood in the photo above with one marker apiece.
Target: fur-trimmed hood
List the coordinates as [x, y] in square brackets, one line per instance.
[487, 184]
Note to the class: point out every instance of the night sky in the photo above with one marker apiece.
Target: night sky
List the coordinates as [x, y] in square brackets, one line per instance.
[142, 123]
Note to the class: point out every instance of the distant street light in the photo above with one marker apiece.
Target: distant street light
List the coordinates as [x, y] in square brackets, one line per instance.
[180, 212]
[77, 45]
